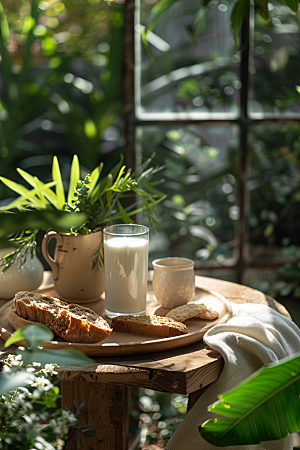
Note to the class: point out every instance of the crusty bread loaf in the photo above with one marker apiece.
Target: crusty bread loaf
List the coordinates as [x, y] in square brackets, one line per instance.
[149, 325]
[72, 322]
[16, 321]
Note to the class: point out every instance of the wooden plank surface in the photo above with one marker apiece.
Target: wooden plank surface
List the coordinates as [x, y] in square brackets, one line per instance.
[173, 371]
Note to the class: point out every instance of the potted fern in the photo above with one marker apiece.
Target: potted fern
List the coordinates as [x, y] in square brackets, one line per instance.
[90, 204]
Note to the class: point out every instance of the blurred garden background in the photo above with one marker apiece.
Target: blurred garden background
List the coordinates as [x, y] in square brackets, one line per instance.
[77, 77]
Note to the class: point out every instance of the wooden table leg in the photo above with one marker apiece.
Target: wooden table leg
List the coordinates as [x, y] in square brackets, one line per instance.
[105, 404]
[194, 397]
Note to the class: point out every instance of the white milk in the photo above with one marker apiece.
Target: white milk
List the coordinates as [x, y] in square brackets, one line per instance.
[126, 273]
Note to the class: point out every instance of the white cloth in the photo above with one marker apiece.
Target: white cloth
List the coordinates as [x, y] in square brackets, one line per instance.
[256, 335]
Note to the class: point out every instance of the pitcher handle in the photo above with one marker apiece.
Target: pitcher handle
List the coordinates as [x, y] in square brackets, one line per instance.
[52, 263]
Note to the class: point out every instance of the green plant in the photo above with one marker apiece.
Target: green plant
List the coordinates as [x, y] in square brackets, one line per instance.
[264, 407]
[30, 415]
[240, 9]
[196, 225]
[100, 200]
[60, 71]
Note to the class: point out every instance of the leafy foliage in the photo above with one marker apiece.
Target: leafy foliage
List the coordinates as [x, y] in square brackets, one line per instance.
[95, 202]
[60, 71]
[30, 415]
[197, 212]
[239, 11]
[264, 407]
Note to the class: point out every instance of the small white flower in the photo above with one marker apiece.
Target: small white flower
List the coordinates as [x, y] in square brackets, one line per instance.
[42, 383]
[50, 369]
[14, 360]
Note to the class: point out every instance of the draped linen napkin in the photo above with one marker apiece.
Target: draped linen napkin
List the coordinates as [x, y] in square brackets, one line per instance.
[256, 335]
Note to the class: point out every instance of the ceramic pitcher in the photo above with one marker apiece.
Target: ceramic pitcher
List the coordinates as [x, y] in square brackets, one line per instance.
[75, 278]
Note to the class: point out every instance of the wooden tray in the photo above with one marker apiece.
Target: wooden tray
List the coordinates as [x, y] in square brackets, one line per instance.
[129, 344]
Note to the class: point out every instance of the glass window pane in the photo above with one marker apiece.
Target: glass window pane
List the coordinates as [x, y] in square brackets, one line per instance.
[274, 62]
[200, 178]
[186, 75]
[274, 188]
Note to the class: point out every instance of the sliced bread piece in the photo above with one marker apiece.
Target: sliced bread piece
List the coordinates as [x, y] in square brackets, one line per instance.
[190, 310]
[73, 322]
[149, 325]
[208, 314]
[187, 311]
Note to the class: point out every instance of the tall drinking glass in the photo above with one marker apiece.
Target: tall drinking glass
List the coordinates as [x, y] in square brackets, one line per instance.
[126, 269]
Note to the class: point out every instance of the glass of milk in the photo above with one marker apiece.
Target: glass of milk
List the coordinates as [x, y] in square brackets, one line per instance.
[126, 269]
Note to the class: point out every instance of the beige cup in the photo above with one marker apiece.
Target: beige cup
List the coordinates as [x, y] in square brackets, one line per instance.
[75, 278]
[173, 281]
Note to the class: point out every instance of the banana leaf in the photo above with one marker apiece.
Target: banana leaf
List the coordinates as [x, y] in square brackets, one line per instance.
[266, 406]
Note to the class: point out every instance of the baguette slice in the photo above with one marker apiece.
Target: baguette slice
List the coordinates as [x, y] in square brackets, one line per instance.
[149, 325]
[16, 322]
[72, 322]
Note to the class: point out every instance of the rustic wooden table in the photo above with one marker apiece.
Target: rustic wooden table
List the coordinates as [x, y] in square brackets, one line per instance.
[103, 385]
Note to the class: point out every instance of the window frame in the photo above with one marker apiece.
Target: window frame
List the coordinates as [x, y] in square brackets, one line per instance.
[243, 120]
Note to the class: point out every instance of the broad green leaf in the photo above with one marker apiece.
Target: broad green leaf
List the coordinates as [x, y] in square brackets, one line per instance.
[30, 198]
[74, 177]
[27, 177]
[11, 223]
[108, 190]
[95, 177]
[146, 43]
[29, 195]
[238, 13]
[198, 25]
[122, 170]
[17, 336]
[56, 175]
[36, 183]
[6, 61]
[292, 4]
[18, 203]
[28, 25]
[262, 8]
[35, 334]
[32, 334]
[266, 406]
[158, 9]
[3, 24]
[18, 188]
[65, 357]
[123, 213]
[47, 192]
[102, 186]
[10, 382]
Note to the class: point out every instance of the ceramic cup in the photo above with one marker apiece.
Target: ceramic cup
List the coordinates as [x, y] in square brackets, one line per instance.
[173, 281]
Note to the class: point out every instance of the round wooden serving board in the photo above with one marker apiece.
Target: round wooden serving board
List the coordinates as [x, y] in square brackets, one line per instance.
[129, 344]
